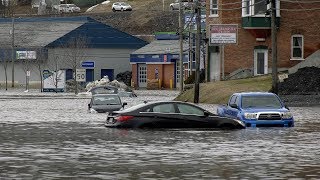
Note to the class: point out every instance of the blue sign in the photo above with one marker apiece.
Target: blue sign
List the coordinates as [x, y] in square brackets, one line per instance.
[87, 64]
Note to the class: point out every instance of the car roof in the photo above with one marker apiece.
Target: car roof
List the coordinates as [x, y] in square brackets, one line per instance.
[253, 93]
[142, 105]
[105, 95]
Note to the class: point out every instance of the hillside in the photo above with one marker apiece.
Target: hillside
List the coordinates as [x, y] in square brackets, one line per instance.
[219, 92]
[146, 18]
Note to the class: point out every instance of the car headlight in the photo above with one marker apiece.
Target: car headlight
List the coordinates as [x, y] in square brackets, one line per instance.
[287, 115]
[250, 115]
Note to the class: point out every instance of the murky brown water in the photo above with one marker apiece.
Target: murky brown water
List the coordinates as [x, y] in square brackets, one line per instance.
[53, 139]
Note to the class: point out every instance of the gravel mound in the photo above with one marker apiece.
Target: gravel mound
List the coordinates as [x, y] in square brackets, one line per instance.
[306, 81]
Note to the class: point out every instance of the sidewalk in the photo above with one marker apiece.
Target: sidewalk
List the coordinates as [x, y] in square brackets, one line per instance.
[35, 93]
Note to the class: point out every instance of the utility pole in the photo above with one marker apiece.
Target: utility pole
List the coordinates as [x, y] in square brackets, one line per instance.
[12, 50]
[198, 41]
[274, 47]
[181, 45]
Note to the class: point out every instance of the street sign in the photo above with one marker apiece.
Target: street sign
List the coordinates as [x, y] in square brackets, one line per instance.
[80, 75]
[28, 73]
[26, 55]
[223, 33]
[87, 64]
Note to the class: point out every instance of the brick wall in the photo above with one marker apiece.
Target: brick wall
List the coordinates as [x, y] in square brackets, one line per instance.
[134, 76]
[291, 22]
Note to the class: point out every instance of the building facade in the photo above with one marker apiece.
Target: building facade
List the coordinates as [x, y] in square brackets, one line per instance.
[158, 62]
[297, 36]
[63, 43]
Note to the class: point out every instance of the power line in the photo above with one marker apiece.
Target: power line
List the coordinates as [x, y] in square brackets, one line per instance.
[303, 2]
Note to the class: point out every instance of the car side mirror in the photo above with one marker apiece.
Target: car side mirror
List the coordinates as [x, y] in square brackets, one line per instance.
[286, 107]
[206, 113]
[234, 106]
[124, 104]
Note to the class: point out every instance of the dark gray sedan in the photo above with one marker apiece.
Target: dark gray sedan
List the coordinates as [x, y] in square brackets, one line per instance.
[169, 114]
[103, 103]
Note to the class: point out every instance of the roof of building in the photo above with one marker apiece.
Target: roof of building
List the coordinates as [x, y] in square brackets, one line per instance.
[162, 47]
[55, 31]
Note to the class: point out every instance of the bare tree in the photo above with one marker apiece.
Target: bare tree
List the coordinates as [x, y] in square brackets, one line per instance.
[56, 73]
[74, 54]
[27, 67]
[5, 56]
[7, 7]
[41, 58]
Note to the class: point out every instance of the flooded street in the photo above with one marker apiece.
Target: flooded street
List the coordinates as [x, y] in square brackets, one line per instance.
[56, 138]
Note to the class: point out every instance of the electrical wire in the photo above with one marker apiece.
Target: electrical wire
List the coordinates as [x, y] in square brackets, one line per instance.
[303, 2]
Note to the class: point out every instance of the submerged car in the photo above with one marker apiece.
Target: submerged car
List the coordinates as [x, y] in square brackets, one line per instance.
[112, 90]
[103, 103]
[169, 114]
[257, 109]
[121, 6]
[104, 90]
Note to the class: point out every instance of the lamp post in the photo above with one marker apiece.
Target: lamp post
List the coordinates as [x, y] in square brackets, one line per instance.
[12, 51]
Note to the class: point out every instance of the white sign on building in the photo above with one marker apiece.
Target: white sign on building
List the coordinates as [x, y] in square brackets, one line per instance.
[26, 54]
[223, 33]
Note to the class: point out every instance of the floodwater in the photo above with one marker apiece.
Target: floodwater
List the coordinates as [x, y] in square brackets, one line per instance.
[56, 138]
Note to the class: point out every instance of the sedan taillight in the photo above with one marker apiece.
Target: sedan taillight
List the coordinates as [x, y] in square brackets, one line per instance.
[124, 118]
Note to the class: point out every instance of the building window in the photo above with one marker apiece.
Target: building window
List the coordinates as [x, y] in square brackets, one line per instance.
[257, 8]
[213, 7]
[297, 47]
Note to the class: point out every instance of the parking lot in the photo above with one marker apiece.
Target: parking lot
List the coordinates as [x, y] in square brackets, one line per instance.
[53, 136]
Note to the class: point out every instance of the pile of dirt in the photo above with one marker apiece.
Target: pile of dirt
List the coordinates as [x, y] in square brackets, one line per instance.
[306, 81]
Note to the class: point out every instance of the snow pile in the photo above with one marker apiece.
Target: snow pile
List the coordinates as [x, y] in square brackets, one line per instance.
[92, 7]
[103, 82]
[105, 2]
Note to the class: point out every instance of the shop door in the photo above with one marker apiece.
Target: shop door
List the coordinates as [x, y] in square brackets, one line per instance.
[107, 72]
[260, 62]
[142, 75]
[89, 75]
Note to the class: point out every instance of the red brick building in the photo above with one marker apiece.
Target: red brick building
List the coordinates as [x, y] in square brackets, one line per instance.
[298, 35]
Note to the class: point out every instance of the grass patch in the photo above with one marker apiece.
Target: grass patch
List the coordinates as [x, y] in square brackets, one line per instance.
[220, 91]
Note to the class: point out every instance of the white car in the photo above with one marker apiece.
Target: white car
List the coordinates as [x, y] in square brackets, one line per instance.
[67, 8]
[186, 4]
[121, 6]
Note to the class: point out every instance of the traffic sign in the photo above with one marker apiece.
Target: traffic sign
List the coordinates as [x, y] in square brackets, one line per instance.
[87, 64]
[80, 75]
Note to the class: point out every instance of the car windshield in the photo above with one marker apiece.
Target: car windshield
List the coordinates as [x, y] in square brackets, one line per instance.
[106, 100]
[124, 4]
[259, 101]
[72, 5]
